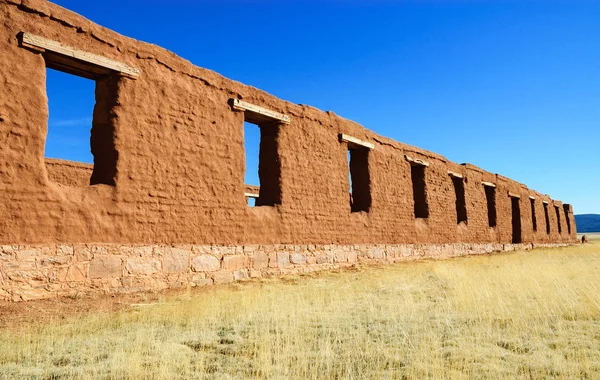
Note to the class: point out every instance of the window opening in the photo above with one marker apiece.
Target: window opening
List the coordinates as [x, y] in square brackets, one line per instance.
[490, 197]
[359, 178]
[558, 219]
[461, 204]
[567, 209]
[107, 75]
[263, 167]
[516, 220]
[547, 217]
[533, 216]
[68, 138]
[71, 102]
[261, 148]
[419, 187]
[251, 151]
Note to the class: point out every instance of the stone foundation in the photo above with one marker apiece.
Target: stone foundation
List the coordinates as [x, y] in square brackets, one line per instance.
[37, 272]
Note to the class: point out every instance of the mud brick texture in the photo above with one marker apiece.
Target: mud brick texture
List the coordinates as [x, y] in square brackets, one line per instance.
[169, 166]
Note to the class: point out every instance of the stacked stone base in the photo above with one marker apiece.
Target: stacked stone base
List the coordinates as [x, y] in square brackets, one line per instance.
[39, 272]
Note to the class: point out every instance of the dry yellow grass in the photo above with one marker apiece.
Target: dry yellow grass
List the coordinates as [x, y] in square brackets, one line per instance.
[521, 315]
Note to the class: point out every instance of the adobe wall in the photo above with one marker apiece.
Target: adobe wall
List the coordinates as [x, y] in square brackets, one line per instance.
[68, 173]
[178, 155]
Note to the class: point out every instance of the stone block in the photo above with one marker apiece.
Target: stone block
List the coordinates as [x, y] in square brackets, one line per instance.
[175, 260]
[77, 273]
[64, 250]
[376, 253]
[28, 254]
[83, 253]
[199, 279]
[241, 274]
[251, 249]
[206, 263]
[139, 265]
[203, 282]
[202, 249]
[273, 272]
[255, 274]
[27, 276]
[18, 265]
[406, 251]
[223, 277]
[30, 294]
[235, 262]
[341, 256]
[99, 250]
[283, 259]
[7, 250]
[224, 250]
[322, 259]
[143, 251]
[105, 266]
[57, 275]
[260, 260]
[298, 259]
[272, 260]
[55, 260]
[4, 295]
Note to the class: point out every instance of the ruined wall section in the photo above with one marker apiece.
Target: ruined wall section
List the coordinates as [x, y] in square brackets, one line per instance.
[68, 173]
[180, 169]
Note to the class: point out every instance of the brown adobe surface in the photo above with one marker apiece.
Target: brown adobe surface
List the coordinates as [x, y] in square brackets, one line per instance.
[179, 153]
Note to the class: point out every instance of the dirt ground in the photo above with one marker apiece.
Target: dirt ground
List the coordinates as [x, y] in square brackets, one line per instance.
[14, 314]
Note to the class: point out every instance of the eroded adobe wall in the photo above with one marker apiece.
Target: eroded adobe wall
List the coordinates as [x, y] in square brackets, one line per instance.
[68, 173]
[180, 161]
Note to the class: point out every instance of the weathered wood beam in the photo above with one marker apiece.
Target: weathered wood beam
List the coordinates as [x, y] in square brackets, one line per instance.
[64, 57]
[455, 175]
[259, 114]
[354, 142]
[416, 161]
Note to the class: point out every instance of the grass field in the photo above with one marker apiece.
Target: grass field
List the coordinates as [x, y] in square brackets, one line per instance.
[529, 314]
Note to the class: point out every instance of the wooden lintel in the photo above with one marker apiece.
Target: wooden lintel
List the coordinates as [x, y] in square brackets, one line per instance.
[81, 59]
[456, 175]
[545, 202]
[488, 184]
[416, 161]
[531, 197]
[259, 114]
[251, 195]
[513, 195]
[354, 142]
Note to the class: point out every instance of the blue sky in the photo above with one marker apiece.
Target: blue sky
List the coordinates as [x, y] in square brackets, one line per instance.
[510, 86]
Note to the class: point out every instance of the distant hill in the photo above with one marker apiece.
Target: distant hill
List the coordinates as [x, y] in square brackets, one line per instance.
[588, 223]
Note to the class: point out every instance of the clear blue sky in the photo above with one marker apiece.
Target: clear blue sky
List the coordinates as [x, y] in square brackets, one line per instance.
[510, 86]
